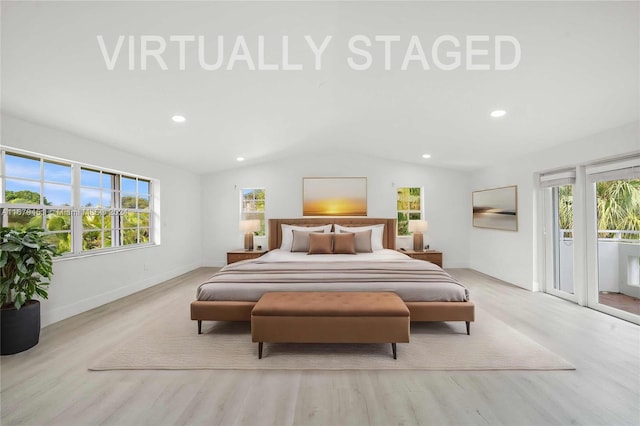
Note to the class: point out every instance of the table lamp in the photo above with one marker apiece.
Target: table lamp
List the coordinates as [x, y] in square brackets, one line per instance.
[249, 227]
[417, 227]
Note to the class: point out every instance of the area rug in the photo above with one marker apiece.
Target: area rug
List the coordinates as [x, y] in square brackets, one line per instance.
[171, 342]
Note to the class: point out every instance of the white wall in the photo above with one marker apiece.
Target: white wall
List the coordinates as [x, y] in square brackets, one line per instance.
[447, 199]
[83, 283]
[511, 256]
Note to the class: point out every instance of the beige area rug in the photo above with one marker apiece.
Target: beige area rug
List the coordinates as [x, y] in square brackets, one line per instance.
[171, 342]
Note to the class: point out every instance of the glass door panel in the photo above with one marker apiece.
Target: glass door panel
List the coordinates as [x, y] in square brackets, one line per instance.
[563, 238]
[618, 244]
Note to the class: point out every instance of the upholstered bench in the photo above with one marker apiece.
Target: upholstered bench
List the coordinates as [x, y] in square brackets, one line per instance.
[330, 317]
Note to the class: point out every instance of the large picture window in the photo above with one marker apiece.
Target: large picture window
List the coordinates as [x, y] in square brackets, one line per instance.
[82, 208]
[409, 206]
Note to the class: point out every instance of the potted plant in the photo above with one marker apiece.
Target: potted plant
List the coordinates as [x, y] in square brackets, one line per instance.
[26, 266]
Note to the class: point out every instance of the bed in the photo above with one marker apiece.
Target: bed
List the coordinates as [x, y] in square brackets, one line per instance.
[430, 293]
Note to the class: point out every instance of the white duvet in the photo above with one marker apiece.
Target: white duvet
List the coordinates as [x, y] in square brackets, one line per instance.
[383, 270]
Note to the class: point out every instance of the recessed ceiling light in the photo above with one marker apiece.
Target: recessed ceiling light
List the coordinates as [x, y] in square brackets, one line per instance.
[240, 159]
[498, 113]
[179, 118]
[426, 155]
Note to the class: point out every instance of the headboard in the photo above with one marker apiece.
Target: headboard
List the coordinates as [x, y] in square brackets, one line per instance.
[388, 236]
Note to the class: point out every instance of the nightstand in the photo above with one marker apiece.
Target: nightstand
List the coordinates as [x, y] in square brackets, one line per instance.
[238, 255]
[432, 256]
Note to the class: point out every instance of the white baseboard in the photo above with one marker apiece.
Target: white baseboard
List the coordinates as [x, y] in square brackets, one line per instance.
[215, 264]
[456, 265]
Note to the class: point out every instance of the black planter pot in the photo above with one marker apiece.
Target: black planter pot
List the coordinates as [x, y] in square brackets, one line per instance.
[20, 328]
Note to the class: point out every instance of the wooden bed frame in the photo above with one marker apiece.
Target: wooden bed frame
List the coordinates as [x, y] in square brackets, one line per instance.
[420, 311]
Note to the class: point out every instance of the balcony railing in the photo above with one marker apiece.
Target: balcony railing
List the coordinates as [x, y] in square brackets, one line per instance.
[626, 236]
[618, 266]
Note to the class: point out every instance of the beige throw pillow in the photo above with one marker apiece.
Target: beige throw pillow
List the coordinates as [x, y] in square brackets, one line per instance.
[376, 233]
[363, 241]
[287, 234]
[300, 240]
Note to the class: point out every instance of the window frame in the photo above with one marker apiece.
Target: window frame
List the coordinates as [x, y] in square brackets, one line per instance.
[263, 230]
[114, 202]
[409, 211]
[76, 211]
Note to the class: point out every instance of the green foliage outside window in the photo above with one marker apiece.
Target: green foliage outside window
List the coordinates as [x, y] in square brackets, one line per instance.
[409, 207]
[58, 227]
[253, 200]
[57, 222]
[24, 197]
[114, 209]
[565, 209]
[618, 207]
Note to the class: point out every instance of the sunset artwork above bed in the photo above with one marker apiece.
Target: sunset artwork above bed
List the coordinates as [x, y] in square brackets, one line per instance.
[334, 196]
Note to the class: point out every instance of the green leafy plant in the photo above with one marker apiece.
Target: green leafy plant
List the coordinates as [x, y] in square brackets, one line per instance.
[618, 207]
[26, 265]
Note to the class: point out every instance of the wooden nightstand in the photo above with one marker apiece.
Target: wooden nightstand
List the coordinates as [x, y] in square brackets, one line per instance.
[238, 255]
[432, 256]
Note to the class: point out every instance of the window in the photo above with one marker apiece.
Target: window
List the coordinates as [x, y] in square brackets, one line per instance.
[115, 209]
[97, 197]
[409, 205]
[134, 204]
[252, 206]
[37, 194]
[82, 208]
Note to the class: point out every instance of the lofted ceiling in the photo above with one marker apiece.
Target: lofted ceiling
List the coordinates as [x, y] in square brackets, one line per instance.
[578, 74]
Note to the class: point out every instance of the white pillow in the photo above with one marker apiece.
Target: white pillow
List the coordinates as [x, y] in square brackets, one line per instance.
[376, 233]
[287, 233]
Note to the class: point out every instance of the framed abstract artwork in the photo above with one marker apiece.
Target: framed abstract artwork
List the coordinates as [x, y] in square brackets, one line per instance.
[496, 208]
[334, 196]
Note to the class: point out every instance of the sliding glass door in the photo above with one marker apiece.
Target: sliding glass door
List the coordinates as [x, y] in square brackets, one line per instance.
[563, 238]
[559, 235]
[613, 196]
[590, 223]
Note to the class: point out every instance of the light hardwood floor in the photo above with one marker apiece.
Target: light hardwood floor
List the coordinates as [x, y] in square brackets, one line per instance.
[50, 384]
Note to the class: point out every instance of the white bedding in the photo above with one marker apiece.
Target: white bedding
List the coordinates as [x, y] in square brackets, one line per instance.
[383, 270]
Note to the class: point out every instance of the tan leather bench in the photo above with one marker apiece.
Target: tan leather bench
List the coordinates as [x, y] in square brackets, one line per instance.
[330, 317]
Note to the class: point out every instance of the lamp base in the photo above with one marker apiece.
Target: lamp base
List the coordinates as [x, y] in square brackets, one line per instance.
[418, 242]
[248, 241]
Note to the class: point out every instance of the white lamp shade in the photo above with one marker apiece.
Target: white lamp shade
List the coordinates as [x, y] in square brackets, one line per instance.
[249, 226]
[418, 226]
